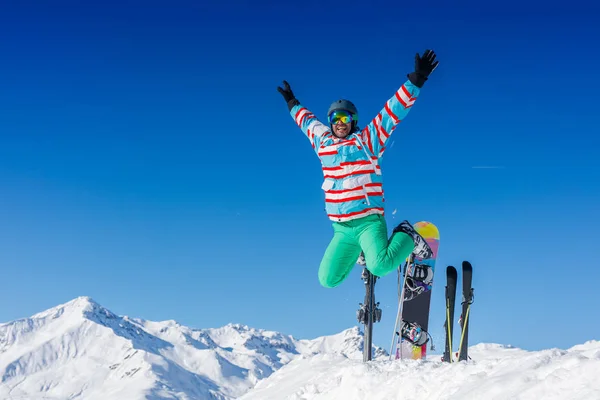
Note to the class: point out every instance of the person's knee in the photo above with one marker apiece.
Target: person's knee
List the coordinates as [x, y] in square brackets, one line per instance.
[379, 270]
[329, 281]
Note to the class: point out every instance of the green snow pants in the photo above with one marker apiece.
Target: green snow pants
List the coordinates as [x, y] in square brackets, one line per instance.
[368, 234]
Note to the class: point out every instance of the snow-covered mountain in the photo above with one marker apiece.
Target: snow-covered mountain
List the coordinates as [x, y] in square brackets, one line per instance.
[81, 350]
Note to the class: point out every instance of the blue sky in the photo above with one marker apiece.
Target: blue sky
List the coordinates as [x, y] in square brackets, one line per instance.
[148, 161]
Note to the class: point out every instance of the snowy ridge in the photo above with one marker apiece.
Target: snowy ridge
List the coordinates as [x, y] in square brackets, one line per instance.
[348, 343]
[82, 350]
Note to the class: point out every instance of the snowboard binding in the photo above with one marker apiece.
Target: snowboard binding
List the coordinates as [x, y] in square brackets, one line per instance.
[420, 281]
[413, 333]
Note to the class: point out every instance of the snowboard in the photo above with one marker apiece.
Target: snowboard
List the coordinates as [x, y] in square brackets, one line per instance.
[417, 296]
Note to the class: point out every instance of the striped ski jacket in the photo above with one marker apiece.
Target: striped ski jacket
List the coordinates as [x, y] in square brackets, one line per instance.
[353, 182]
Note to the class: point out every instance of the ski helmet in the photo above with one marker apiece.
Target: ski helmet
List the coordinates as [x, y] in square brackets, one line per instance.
[344, 105]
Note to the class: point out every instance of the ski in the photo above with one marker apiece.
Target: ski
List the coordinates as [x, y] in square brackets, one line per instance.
[467, 300]
[368, 313]
[451, 277]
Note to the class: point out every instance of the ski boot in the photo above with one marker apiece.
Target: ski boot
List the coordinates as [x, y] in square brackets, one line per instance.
[422, 249]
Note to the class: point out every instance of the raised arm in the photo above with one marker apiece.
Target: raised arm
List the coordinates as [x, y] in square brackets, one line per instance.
[306, 120]
[378, 131]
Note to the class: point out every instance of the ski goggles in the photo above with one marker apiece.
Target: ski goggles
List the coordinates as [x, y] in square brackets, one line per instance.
[340, 115]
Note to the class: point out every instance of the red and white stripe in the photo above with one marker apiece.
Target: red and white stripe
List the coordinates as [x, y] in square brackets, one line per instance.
[327, 151]
[311, 137]
[350, 168]
[340, 196]
[332, 149]
[301, 115]
[357, 214]
[391, 114]
[382, 134]
[404, 97]
[367, 137]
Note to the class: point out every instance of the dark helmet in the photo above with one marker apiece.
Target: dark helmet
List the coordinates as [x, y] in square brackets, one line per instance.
[346, 105]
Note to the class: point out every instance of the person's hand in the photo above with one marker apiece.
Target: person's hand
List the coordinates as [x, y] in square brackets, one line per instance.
[288, 95]
[286, 92]
[424, 66]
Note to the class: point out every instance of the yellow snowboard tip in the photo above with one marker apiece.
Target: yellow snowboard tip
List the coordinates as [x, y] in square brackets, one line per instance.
[427, 229]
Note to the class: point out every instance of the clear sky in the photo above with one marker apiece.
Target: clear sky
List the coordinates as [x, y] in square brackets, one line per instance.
[148, 161]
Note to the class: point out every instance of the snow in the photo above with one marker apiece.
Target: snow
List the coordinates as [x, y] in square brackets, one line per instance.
[81, 350]
[495, 372]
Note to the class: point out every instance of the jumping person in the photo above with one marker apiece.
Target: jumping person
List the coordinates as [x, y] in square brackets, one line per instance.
[353, 188]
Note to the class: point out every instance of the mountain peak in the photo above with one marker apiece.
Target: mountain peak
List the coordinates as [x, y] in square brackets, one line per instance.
[238, 327]
[126, 356]
[82, 301]
[82, 306]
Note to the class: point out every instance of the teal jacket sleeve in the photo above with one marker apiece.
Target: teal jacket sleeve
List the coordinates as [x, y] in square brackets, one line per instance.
[314, 129]
[378, 131]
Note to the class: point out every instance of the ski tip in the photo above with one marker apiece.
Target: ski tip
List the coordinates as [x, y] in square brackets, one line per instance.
[467, 265]
[450, 270]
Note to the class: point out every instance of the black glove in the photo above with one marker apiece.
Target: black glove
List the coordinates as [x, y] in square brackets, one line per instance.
[423, 67]
[288, 95]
